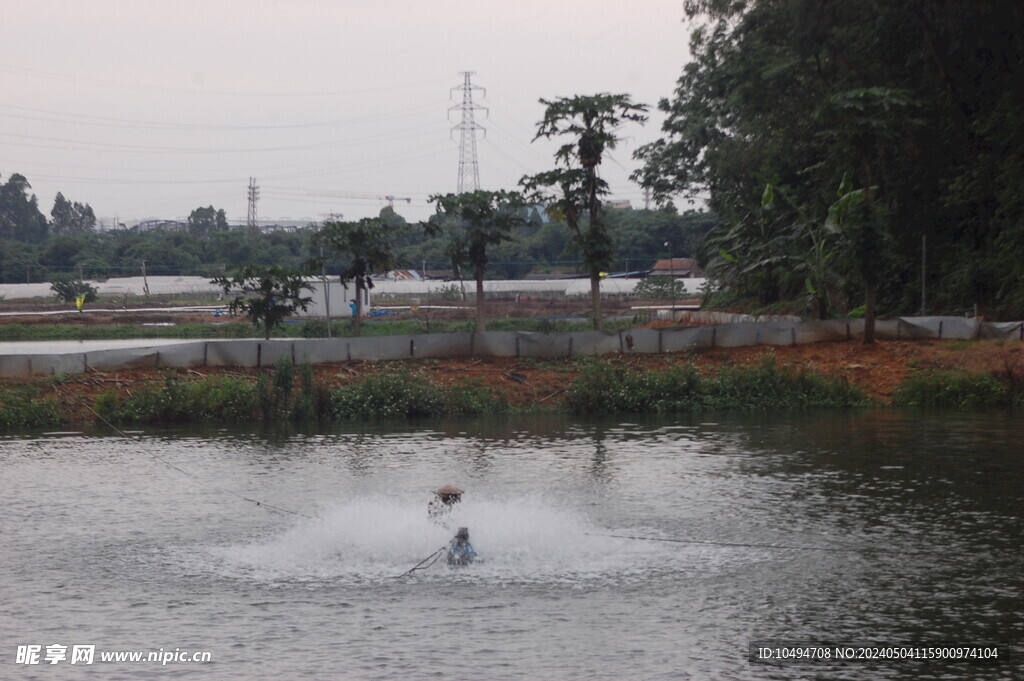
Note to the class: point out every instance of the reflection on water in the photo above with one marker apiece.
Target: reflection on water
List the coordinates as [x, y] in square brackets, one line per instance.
[908, 528]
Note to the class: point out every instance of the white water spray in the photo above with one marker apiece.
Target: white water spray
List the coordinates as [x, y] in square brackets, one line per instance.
[523, 539]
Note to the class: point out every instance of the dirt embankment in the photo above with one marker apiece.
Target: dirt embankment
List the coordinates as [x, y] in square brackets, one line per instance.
[877, 369]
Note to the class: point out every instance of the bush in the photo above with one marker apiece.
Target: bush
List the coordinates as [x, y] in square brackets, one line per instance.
[67, 288]
[22, 408]
[388, 394]
[957, 390]
[605, 387]
[216, 399]
[474, 398]
[660, 287]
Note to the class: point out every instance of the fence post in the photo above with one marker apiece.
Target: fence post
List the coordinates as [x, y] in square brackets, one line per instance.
[259, 355]
[412, 347]
[570, 345]
[940, 329]
[206, 349]
[714, 332]
[792, 334]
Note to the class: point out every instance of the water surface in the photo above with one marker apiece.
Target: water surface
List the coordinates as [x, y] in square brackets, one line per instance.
[883, 526]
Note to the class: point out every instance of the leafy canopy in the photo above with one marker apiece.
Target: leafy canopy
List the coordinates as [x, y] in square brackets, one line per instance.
[266, 295]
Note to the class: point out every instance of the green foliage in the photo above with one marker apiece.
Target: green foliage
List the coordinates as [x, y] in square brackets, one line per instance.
[71, 218]
[449, 293]
[211, 399]
[22, 407]
[368, 244]
[311, 400]
[267, 296]
[957, 390]
[607, 387]
[473, 398]
[573, 190]
[67, 288]
[485, 219]
[660, 287]
[20, 219]
[202, 222]
[389, 394]
[901, 97]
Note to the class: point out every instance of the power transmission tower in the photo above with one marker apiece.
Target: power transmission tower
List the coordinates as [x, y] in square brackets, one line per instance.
[254, 195]
[469, 169]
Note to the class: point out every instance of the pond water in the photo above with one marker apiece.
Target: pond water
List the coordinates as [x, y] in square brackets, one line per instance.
[875, 526]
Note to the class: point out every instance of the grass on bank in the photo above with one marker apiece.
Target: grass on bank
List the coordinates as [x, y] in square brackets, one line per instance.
[606, 387]
[403, 390]
[960, 390]
[25, 407]
[394, 392]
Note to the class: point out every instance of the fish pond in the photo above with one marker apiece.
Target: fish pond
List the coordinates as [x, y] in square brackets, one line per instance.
[610, 549]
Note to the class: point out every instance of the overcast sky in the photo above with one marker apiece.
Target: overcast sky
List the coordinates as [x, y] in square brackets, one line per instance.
[151, 108]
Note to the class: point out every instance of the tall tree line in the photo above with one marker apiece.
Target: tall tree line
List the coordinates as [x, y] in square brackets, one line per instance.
[842, 141]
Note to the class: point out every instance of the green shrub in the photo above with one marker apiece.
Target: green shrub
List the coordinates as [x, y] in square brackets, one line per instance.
[307, 405]
[22, 408]
[474, 398]
[313, 328]
[211, 399]
[388, 394]
[605, 387]
[956, 389]
[225, 399]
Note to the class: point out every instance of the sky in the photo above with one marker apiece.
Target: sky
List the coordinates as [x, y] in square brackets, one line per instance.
[152, 108]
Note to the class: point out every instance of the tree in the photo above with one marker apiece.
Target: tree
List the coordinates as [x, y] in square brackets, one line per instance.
[267, 295]
[71, 218]
[20, 219]
[486, 218]
[591, 124]
[203, 222]
[868, 124]
[67, 288]
[368, 245]
[917, 101]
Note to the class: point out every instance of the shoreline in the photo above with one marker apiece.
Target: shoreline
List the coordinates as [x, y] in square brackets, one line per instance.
[970, 374]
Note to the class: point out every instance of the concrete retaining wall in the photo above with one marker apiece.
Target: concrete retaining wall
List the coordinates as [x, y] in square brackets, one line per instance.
[261, 353]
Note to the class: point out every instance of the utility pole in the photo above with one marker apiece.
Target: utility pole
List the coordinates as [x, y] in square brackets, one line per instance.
[671, 279]
[469, 168]
[145, 282]
[924, 272]
[327, 290]
[252, 221]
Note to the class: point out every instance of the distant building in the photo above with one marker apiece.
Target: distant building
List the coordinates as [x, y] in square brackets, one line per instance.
[159, 223]
[681, 268]
[623, 205]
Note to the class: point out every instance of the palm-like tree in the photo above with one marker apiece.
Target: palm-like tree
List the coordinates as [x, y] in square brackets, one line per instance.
[591, 124]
